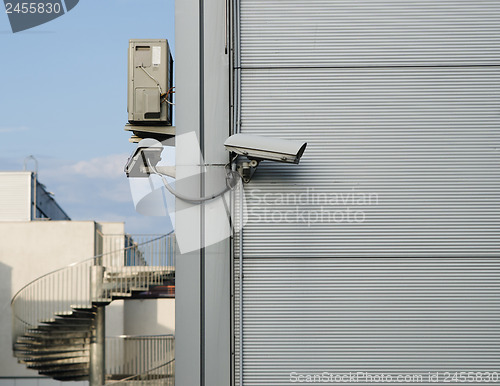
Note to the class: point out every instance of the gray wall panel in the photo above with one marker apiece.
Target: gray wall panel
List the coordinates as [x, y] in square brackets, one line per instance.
[217, 261]
[203, 275]
[188, 274]
[399, 102]
[415, 152]
[373, 32]
[390, 316]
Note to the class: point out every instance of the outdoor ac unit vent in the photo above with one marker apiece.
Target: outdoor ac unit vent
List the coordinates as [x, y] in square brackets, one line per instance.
[150, 82]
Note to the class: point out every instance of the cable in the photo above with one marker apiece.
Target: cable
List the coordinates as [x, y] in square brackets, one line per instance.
[229, 177]
[151, 76]
[162, 95]
[165, 96]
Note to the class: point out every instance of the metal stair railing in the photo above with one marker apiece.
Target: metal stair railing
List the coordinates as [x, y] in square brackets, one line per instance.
[137, 266]
[148, 359]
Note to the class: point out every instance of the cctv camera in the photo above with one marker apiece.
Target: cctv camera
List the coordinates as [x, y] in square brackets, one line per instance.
[148, 152]
[259, 148]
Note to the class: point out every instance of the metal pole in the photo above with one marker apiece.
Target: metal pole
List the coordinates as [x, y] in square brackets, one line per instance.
[97, 348]
[98, 333]
[237, 129]
[240, 278]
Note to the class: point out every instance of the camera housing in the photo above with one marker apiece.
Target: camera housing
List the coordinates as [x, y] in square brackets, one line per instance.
[147, 151]
[260, 148]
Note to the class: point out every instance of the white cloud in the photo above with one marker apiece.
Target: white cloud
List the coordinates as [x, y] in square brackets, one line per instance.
[97, 189]
[110, 166]
[93, 181]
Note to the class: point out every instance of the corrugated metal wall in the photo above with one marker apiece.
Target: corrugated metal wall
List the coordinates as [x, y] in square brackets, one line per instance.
[400, 104]
[399, 162]
[412, 317]
[15, 196]
[298, 33]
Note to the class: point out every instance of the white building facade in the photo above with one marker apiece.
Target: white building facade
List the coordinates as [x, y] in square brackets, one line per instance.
[24, 198]
[39, 242]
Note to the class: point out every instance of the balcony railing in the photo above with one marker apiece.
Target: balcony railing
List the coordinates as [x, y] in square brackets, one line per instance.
[137, 249]
[134, 266]
[146, 359]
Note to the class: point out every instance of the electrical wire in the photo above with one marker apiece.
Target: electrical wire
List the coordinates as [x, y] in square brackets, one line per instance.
[151, 76]
[230, 177]
[165, 96]
[162, 95]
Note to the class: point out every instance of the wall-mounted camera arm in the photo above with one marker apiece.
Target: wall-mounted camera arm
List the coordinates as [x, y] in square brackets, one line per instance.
[144, 161]
[231, 180]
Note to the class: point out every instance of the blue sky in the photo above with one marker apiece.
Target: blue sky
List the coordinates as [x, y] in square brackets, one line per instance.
[63, 100]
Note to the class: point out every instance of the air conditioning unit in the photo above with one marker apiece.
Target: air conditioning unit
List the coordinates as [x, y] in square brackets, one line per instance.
[150, 82]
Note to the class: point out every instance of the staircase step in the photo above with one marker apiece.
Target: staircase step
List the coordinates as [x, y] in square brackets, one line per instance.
[84, 313]
[43, 357]
[39, 357]
[69, 324]
[78, 318]
[140, 289]
[63, 313]
[41, 335]
[102, 302]
[70, 377]
[47, 321]
[73, 320]
[59, 328]
[56, 339]
[75, 314]
[48, 365]
[75, 377]
[55, 345]
[59, 347]
[64, 327]
[138, 378]
[69, 368]
[68, 373]
[83, 307]
[122, 294]
[65, 351]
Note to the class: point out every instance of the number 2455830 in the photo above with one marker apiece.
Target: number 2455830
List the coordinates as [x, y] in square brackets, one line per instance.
[33, 8]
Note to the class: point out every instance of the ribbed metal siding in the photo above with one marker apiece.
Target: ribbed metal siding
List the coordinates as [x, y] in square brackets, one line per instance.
[15, 196]
[421, 138]
[401, 100]
[423, 144]
[369, 32]
[391, 316]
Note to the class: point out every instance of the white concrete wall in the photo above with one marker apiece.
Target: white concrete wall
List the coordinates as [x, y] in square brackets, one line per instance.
[112, 228]
[149, 317]
[115, 321]
[110, 239]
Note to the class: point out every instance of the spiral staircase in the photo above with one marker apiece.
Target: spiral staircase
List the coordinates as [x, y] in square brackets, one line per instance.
[55, 317]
